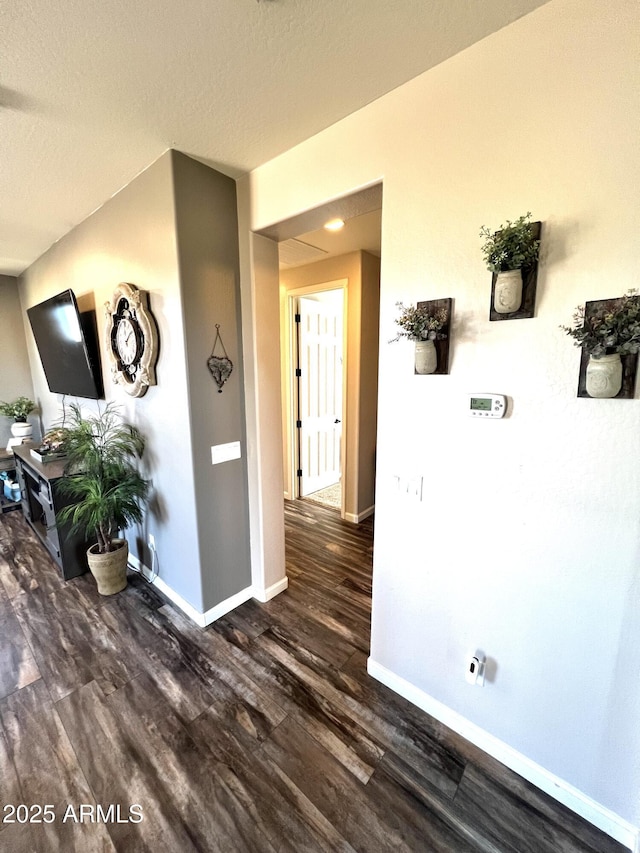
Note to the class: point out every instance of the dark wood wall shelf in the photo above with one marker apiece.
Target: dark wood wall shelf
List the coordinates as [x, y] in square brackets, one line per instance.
[442, 344]
[629, 362]
[41, 502]
[529, 286]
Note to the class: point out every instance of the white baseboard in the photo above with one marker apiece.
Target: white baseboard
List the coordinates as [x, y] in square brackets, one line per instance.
[228, 605]
[201, 619]
[221, 609]
[357, 518]
[267, 594]
[557, 788]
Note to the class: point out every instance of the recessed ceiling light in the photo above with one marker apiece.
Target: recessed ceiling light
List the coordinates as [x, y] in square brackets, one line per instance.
[334, 224]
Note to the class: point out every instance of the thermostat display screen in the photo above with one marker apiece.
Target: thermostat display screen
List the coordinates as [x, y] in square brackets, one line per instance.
[481, 403]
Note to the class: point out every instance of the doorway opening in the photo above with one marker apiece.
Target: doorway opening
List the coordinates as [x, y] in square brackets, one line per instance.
[297, 253]
[318, 389]
[329, 373]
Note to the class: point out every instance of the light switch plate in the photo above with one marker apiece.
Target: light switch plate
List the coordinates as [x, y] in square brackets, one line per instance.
[225, 452]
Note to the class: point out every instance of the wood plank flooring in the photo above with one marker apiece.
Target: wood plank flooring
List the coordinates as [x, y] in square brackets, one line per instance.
[261, 733]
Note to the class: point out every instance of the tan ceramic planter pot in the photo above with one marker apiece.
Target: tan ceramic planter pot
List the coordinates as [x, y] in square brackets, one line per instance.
[109, 570]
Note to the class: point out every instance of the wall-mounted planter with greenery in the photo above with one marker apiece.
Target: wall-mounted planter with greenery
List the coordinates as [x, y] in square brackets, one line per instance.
[427, 325]
[511, 253]
[608, 332]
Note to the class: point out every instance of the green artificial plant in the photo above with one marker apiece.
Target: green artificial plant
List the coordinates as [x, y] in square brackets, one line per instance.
[18, 410]
[420, 323]
[608, 329]
[512, 246]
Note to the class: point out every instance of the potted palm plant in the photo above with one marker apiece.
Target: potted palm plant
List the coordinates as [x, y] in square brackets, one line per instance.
[506, 252]
[21, 429]
[609, 331]
[106, 491]
[422, 324]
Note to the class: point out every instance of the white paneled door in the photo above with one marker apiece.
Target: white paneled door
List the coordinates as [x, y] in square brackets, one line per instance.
[320, 389]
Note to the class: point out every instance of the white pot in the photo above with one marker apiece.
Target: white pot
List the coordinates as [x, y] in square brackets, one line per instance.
[507, 295]
[21, 429]
[426, 357]
[604, 375]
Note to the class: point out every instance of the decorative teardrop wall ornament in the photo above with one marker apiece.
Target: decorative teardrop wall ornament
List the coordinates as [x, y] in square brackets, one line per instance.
[220, 366]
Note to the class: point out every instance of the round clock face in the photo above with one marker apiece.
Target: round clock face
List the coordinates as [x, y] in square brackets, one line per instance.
[132, 334]
[126, 341]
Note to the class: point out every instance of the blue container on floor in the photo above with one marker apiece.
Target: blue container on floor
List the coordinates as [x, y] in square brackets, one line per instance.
[11, 490]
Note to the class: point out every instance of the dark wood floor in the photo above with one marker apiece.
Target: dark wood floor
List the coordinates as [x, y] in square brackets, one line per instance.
[261, 733]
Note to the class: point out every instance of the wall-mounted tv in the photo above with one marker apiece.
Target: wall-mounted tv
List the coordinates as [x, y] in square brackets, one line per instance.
[67, 342]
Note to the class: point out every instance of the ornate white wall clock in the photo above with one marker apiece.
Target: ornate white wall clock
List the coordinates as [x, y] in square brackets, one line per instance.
[132, 339]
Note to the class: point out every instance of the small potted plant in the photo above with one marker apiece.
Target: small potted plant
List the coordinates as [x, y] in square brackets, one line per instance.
[610, 331]
[506, 252]
[105, 489]
[18, 410]
[21, 429]
[424, 325]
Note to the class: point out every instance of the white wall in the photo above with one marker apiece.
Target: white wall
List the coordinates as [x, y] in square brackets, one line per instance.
[263, 407]
[526, 542]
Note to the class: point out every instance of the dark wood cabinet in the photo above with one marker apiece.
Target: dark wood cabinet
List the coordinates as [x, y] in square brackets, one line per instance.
[42, 501]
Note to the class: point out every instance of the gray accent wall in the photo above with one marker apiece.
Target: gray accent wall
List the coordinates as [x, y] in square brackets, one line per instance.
[15, 376]
[207, 234]
[132, 238]
[172, 232]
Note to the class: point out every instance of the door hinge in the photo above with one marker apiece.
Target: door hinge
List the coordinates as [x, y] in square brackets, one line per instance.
[299, 472]
[298, 424]
[297, 318]
[298, 371]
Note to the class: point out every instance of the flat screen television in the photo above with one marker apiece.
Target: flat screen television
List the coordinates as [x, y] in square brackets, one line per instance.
[67, 342]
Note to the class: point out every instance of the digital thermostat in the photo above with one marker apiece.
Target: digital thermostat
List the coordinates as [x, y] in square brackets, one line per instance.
[487, 405]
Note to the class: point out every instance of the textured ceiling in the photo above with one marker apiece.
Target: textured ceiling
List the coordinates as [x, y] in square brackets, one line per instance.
[92, 92]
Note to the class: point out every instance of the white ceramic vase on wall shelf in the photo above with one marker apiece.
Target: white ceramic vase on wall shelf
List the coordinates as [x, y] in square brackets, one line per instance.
[508, 292]
[426, 357]
[604, 375]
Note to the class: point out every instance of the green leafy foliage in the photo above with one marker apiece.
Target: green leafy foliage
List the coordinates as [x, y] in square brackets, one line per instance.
[512, 246]
[102, 480]
[19, 409]
[420, 323]
[608, 330]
